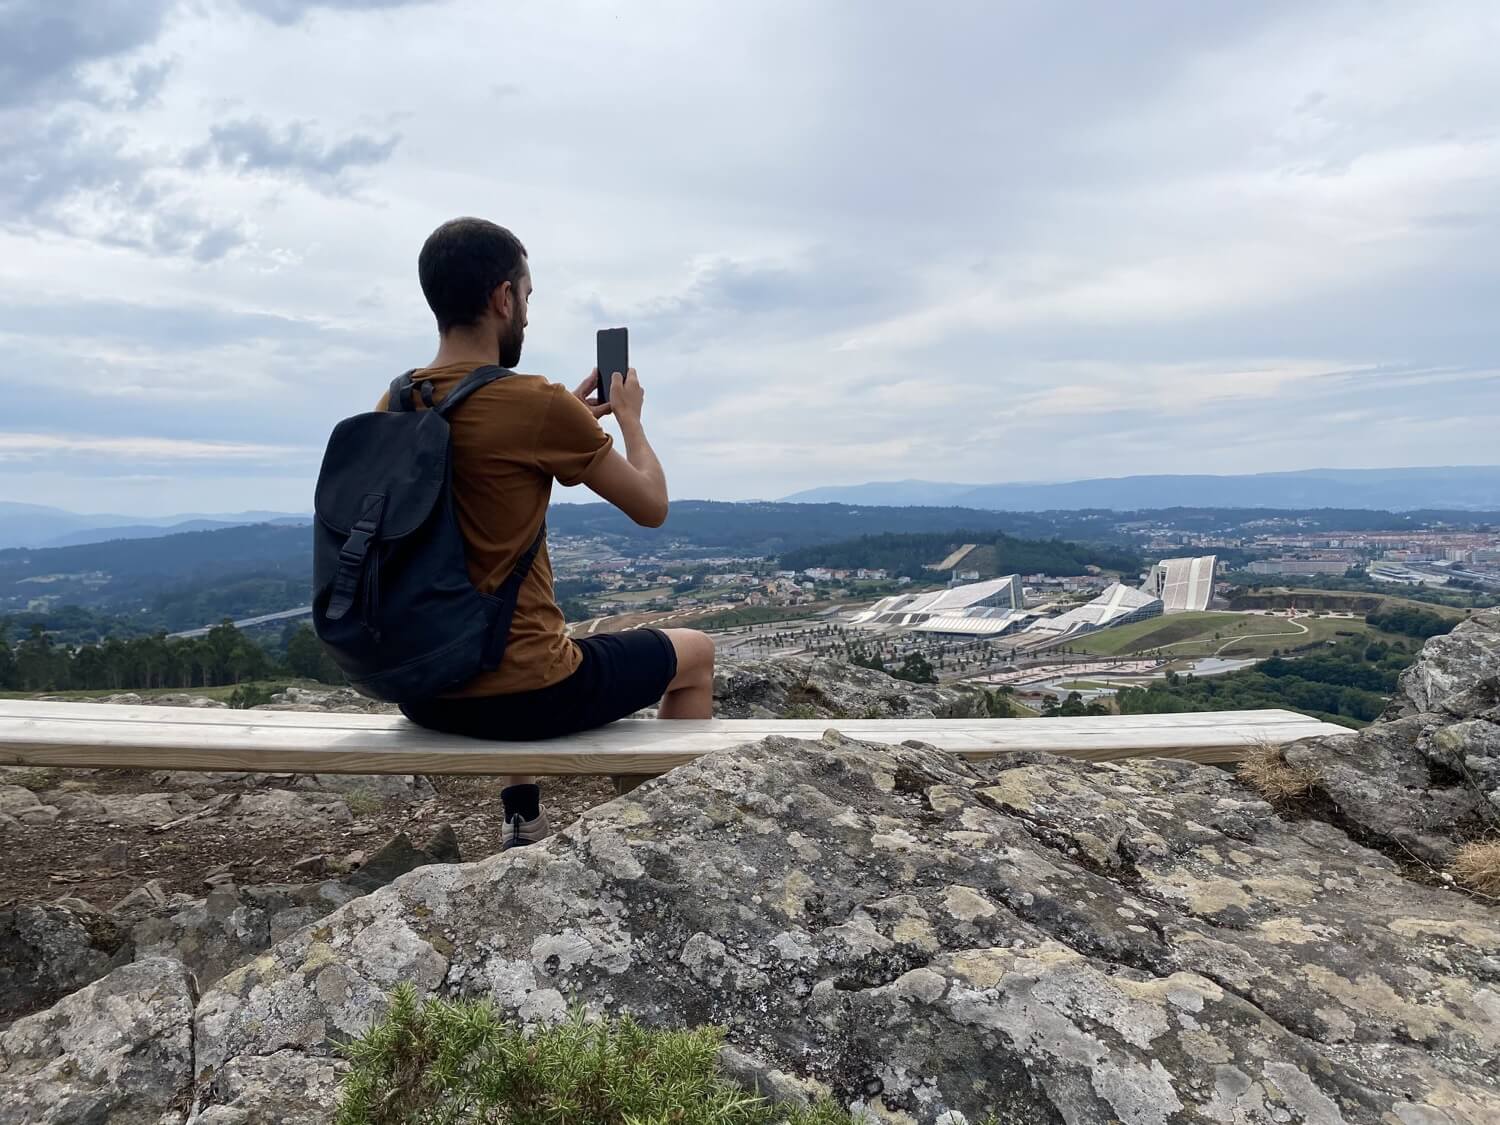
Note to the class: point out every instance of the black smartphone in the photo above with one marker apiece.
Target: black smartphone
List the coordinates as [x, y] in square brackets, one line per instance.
[614, 355]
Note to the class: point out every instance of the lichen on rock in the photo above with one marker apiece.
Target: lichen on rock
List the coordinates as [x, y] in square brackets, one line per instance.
[1044, 938]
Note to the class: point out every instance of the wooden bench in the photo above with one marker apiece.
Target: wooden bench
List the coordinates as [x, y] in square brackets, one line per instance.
[179, 738]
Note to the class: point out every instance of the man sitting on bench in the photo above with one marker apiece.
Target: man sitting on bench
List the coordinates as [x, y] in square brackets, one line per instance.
[511, 440]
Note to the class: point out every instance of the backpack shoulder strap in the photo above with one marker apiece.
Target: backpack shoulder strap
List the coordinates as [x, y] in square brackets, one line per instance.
[400, 394]
[508, 593]
[479, 377]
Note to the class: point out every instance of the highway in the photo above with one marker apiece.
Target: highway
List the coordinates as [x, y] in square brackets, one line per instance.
[283, 615]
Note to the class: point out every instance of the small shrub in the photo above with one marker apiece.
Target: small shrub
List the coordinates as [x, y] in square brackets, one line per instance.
[1477, 866]
[35, 778]
[246, 696]
[452, 1063]
[800, 711]
[363, 802]
[1266, 770]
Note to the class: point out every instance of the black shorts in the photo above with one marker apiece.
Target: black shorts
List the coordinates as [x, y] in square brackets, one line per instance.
[620, 674]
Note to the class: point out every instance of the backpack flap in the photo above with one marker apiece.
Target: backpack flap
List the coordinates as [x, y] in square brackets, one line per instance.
[382, 475]
[403, 456]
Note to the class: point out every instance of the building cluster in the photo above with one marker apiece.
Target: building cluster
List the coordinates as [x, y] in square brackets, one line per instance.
[1434, 558]
[1326, 562]
[973, 609]
[999, 606]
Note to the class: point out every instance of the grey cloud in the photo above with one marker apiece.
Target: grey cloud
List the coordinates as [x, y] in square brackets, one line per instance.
[251, 144]
[57, 175]
[46, 41]
[290, 11]
[819, 293]
[145, 83]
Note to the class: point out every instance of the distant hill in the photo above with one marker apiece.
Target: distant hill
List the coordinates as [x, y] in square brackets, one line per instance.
[763, 528]
[191, 578]
[1448, 489]
[36, 525]
[150, 531]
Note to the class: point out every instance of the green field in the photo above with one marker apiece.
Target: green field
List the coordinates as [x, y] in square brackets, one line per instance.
[633, 597]
[1353, 601]
[1207, 634]
[720, 620]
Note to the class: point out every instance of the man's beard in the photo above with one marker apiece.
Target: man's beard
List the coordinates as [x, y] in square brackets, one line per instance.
[510, 343]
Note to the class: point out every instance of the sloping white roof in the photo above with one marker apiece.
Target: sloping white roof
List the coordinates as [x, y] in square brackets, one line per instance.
[1185, 584]
[953, 599]
[973, 625]
[1116, 602]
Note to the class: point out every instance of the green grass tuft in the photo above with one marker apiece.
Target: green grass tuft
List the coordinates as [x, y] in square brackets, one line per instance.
[462, 1063]
[363, 802]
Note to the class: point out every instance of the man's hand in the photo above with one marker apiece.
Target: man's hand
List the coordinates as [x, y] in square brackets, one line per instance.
[589, 387]
[626, 395]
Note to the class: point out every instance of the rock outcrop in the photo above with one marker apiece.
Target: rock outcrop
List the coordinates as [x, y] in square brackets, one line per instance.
[48, 951]
[118, 1052]
[923, 939]
[800, 687]
[1049, 939]
[1428, 777]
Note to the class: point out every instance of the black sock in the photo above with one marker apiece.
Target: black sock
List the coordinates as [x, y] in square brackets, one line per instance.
[523, 799]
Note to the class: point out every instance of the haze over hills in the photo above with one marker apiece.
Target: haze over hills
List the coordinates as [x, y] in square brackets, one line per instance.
[36, 525]
[1461, 488]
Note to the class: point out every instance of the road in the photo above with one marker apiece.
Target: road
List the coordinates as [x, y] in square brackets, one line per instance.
[245, 623]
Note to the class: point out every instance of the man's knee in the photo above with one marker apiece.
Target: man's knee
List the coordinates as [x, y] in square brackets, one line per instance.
[695, 653]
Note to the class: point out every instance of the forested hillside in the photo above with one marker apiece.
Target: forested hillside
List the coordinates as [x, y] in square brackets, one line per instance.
[225, 656]
[770, 529]
[1347, 683]
[910, 554]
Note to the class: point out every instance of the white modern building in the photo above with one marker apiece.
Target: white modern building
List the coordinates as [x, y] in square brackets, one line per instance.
[976, 599]
[1118, 605]
[984, 623]
[1183, 584]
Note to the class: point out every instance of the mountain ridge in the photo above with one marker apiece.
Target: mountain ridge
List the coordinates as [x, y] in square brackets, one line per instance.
[43, 526]
[1455, 488]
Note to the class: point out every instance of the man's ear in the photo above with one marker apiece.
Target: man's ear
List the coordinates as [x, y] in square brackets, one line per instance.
[501, 299]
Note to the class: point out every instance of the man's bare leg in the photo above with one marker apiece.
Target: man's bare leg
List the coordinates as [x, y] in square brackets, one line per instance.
[690, 695]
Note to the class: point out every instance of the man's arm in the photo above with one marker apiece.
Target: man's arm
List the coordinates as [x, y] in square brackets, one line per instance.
[634, 483]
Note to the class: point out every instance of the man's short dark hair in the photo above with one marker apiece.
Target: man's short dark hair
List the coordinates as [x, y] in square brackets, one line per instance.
[462, 263]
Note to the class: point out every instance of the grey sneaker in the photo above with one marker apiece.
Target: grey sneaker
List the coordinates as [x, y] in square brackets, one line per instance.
[518, 832]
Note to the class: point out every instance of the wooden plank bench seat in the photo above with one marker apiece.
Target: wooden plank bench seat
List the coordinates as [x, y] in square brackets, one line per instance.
[177, 738]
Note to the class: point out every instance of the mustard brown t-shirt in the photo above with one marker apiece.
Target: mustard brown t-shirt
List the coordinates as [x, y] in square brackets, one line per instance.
[511, 440]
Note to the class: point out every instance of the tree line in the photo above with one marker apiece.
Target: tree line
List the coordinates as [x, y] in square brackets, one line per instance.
[1349, 684]
[910, 554]
[224, 656]
[1411, 621]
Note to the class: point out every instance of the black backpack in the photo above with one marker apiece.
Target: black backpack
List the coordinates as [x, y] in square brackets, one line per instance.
[392, 600]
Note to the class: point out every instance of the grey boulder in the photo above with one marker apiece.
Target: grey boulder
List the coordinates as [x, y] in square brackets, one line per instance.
[1428, 777]
[117, 1052]
[921, 938]
[832, 689]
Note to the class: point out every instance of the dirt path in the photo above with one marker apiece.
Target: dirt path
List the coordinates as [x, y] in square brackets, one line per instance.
[1301, 628]
[102, 863]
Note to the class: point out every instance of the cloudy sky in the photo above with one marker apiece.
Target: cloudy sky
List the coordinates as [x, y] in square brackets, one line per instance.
[852, 240]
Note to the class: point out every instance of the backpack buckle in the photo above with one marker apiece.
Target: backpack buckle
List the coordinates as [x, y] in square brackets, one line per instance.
[352, 556]
[352, 553]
